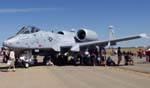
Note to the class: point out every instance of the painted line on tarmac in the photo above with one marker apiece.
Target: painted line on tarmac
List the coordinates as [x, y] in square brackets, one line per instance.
[129, 71]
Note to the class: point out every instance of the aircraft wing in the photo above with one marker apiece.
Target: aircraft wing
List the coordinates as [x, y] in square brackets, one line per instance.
[112, 42]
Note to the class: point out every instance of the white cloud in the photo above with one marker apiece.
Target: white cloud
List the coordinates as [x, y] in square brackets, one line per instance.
[13, 10]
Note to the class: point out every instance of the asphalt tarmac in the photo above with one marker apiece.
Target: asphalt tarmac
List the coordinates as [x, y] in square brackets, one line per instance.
[75, 77]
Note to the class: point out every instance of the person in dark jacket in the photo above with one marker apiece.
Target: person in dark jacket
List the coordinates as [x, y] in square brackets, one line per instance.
[119, 53]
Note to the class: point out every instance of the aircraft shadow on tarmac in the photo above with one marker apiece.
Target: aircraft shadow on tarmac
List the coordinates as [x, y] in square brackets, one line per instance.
[140, 62]
[4, 69]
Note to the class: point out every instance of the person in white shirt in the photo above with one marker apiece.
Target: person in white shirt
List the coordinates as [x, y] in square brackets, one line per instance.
[12, 59]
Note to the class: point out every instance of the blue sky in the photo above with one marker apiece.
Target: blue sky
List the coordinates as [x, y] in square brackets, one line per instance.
[129, 17]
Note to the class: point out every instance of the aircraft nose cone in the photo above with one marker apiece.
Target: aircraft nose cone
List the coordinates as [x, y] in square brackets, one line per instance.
[5, 43]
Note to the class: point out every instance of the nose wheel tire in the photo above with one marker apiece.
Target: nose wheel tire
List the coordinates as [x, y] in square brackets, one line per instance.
[27, 65]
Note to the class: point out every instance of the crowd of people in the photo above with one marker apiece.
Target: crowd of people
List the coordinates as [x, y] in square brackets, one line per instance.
[146, 54]
[91, 57]
[129, 56]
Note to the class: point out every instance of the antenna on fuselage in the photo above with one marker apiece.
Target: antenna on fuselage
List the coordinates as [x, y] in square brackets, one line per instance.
[52, 31]
[72, 30]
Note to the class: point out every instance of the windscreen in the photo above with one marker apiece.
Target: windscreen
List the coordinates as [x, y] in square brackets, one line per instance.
[28, 30]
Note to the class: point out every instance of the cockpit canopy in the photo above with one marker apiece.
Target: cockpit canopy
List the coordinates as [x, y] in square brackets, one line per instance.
[28, 30]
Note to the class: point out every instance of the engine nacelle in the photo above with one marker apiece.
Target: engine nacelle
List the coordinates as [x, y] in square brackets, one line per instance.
[86, 35]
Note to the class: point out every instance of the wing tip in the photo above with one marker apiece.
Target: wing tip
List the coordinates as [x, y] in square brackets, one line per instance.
[144, 35]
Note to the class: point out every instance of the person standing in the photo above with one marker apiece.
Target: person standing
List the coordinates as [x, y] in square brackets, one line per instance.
[103, 56]
[12, 59]
[131, 58]
[140, 53]
[86, 58]
[147, 55]
[5, 56]
[93, 58]
[119, 53]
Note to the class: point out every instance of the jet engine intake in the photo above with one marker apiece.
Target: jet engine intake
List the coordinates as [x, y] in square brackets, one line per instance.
[83, 35]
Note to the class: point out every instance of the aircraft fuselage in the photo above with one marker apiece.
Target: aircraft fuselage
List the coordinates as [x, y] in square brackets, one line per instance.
[40, 40]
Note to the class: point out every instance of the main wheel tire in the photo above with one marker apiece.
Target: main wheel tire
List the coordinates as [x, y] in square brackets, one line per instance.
[45, 60]
[26, 65]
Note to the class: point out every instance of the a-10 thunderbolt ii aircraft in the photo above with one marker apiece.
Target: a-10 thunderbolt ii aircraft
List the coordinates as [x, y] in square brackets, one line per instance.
[30, 38]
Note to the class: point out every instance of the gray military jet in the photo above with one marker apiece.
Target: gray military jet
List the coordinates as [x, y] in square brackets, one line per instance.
[31, 39]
